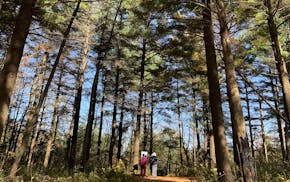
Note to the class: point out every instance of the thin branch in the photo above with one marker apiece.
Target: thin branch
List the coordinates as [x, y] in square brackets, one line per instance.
[260, 95]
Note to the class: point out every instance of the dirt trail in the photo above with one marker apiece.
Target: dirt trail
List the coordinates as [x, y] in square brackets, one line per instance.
[170, 179]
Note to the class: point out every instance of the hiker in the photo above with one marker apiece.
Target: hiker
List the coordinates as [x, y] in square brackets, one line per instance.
[153, 164]
[143, 164]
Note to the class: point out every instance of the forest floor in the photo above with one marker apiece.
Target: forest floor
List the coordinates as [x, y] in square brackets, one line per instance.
[168, 179]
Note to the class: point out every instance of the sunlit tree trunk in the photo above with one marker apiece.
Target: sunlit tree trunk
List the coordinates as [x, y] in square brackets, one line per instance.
[234, 98]
[281, 68]
[224, 171]
[33, 113]
[54, 123]
[13, 57]
[40, 72]
[275, 92]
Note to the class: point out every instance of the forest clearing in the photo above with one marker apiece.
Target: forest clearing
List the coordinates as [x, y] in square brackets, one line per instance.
[145, 90]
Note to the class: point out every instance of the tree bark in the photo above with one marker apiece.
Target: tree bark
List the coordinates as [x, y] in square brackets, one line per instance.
[33, 114]
[40, 72]
[263, 131]
[54, 123]
[139, 109]
[145, 130]
[120, 128]
[224, 171]
[250, 121]
[114, 119]
[196, 121]
[91, 116]
[151, 123]
[281, 68]
[275, 92]
[180, 132]
[234, 98]
[101, 120]
[13, 57]
[78, 96]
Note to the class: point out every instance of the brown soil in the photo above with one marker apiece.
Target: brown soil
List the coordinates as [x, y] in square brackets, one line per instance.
[169, 179]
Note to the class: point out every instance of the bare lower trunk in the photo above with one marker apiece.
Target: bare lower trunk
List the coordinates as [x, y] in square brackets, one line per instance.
[180, 133]
[101, 121]
[120, 128]
[145, 130]
[33, 113]
[54, 123]
[114, 119]
[91, 116]
[13, 57]
[281, 68]
[77, 103]
[275, 91]
[139, 109]
[234, 98]
[250, 121]
[265, 150]
[224, 171]
[151, 123]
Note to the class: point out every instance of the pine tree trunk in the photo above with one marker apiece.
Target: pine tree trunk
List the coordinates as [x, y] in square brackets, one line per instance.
[54, 123]
[197, 124]
[78, 96]
[234, 98]
[180, 133]
[250, 121]
[265, 150]
[211, 147]
[33, 113]
[221, 151]
[275, 92]
[145, 130]
[281, 68]
[91, 116]
[40, 72]
[13, 57]
[101, 120]
[69, 141]
[151, 123]
[120, 128]
[139, 109]
[114, 119]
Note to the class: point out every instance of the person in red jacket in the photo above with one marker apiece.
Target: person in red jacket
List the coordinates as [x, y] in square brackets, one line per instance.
[143, 164]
